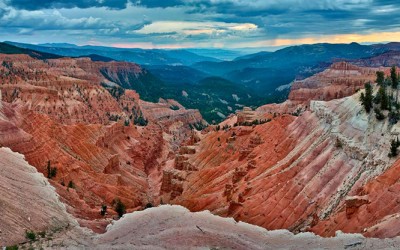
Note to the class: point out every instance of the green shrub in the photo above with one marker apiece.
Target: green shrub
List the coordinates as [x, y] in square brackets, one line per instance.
[174, 107]
[393, 117]
[394, 144]
[119, 207]
[140, 121]
[379, 115]
[30, 235]
[15, 247]
[103, 210]
[338, 144]
[148, 205]
[71, 184]
[51, 171]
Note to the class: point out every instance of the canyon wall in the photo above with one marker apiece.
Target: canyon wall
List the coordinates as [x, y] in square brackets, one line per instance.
[294, 172]
[323, 170]
[341, 79]
[64, 113]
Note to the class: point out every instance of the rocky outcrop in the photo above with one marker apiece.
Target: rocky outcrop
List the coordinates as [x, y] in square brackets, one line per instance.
[387, 59]
[341, 79]
[246, 115]
[291, 172]
[354, 202]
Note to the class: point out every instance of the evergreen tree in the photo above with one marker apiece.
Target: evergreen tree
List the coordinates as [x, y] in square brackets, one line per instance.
[71, 184]
[395, 80]
[51, 171]
[380, 77]
[384, 100]
[48, 170]
[393, 148]
[387, 83]
[119, 207]
[393, 77]
[103, 210]
[366, 99]
[379, 114]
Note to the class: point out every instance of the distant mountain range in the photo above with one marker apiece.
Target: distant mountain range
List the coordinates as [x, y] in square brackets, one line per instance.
[139, 56]
[198, 78]
[6, 48]
[265, 71]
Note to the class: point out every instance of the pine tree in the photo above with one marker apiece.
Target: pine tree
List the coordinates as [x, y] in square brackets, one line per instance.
[378, 114]
[395, 80]
[393, 148]
[119, 207]
[51, 171]
[380, 77]
[384, 100]
[367, 98]
[48, 170]
[103, 210]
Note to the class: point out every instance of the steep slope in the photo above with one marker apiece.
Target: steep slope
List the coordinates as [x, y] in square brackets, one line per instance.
[57, 112]
[325, 170]
[27, 200]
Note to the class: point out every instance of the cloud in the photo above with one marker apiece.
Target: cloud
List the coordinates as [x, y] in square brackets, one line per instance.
[208, 23]
[159, 4]
[56, 4]
[193, 28]
[46, 20]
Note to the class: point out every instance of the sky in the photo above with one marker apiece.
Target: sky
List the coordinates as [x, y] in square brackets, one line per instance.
[199, 23]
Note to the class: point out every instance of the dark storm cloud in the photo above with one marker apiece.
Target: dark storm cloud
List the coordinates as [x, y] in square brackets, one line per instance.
[55, 4]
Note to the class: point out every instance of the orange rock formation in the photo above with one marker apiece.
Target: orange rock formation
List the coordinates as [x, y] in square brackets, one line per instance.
[56, 111]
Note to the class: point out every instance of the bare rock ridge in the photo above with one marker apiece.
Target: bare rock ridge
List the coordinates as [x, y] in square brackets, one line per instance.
[175, 227]
[27, 201]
